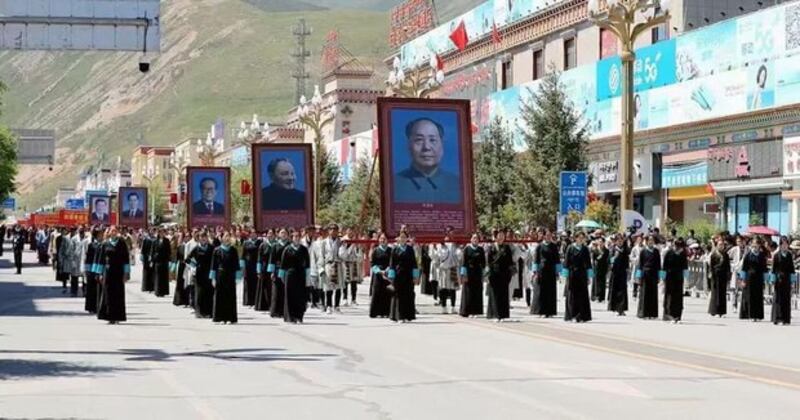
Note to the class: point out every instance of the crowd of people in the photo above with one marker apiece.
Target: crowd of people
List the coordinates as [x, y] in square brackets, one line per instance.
[285, 271]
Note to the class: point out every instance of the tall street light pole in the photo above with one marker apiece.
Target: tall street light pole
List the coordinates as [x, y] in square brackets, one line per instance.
[315, 116]
[150, 176]
[419, 83]
[619, 17]
[179, 162]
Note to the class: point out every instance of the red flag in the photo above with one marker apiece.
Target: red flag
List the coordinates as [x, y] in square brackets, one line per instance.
[439, 62]
[460, 37]
[497, 38]
[173, 198]
[710, 189]
[244, 187]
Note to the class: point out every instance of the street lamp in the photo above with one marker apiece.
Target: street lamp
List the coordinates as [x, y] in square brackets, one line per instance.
[417, 84]
[150, 176]
[253, 132]
[314, 115]
[179, 161]
[207, 151]
[620, 18]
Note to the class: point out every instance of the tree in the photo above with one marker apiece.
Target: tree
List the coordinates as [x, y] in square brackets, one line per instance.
[495, 178]
[556, 138]
[158, 200]
[241, 205]
[8, 157]
[330, 181]
[604, 213]
[346, 207]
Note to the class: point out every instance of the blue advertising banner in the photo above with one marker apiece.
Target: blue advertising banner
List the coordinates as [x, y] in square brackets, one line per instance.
[654, 67]
[573, 192]
[10, 203]
[693, 175]
[75, 204]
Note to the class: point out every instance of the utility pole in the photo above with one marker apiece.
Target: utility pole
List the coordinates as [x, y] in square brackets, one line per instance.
[300, 31]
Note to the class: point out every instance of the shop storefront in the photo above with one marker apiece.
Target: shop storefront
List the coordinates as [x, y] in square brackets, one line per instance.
[749, 179]
[607, 179]
[684, 182]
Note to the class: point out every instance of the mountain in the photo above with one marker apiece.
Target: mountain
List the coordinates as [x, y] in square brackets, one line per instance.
[219, 58]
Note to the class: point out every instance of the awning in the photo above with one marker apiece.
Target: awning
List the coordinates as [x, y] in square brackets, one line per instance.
[752, 185]
[689, 193]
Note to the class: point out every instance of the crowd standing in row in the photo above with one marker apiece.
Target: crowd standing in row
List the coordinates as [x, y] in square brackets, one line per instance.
[286, 271]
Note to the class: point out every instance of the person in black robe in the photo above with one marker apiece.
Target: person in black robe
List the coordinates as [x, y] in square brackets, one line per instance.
[618, 286]
[578, 262]
[472, 270]
[754, 265]
[404, 274]
[546, 267]
[225, 269]
[263, 297]
[90, 273]
[427, 285]
[675, 265]
[649, 272]
[295, 264]
[115, 265]
[783, 273]
[17, 246]
[600, 260]
[2, 238]
[200, 259]
[159, 258]
[381, 299]
[148, 275]
[181, 297]
[501, 269]
[278, 289]
[250, 278]
[719, 267]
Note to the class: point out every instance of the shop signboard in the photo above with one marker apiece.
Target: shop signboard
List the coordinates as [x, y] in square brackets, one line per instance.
[607, 176]
[742, 161]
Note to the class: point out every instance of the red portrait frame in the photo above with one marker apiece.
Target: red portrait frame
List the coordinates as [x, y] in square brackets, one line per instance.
[191, 172]
[128, 222]
[90, 205]
[282, 218]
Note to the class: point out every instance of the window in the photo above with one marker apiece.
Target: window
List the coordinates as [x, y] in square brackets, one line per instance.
[659, 32]
[508, 76]
[570, 54]
[538, 64]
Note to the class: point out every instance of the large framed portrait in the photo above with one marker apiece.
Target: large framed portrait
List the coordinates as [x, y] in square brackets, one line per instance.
[426, 166]
[132, 208]
[99, 209]
[283, 186]
[208, 199]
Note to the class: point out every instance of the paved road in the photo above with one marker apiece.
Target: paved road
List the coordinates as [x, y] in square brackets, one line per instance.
[57, 362]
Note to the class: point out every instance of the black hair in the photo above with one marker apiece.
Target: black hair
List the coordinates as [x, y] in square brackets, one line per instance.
[133, 194]
[208, 178]
[274, 164]
[410, 126]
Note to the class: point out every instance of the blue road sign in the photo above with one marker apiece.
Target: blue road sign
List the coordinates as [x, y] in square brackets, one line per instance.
[573, 187]
[75, 204]
[10, 203]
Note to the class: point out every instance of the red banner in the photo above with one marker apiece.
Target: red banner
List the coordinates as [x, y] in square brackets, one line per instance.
[67, 218]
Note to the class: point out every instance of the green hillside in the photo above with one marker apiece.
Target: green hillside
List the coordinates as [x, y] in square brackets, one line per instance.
[225, 59]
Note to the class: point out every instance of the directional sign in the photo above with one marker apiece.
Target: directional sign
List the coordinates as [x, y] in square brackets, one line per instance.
[10, 203]
[75, 204]
[573, 192]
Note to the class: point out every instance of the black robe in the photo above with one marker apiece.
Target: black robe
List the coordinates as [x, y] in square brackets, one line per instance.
[427, 286]
[181, 292]
[148, 273]
[263, 296]
[224, 266]
[675, 263]
[600, 260]
[782, 268]
[278, 289]
[474, 263]
[650, 265]
[545, 295]
[200, 259]
[295, 263]
[577, 305]
[250, 275]
[720, 274]
[754, 267]
[404, 264]
[381, 299]
[618, 286]
[501, 269]
[89, 269]
[159, 255]
[115, 263]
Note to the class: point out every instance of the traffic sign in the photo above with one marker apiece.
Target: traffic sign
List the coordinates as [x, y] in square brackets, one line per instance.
[573, 185]
[75, 204]
[10, 203]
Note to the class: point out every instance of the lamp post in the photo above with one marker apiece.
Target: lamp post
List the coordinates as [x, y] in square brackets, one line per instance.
[150, 176]
[254, 132]
[179, 162]
[619, 17]
[419, 83]
[316, 116]
[207, 151]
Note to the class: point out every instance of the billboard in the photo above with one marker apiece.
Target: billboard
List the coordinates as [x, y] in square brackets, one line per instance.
[743, 161]
[283, 186]
[35, 146]
[111, 25]
[426, 166]
[208, 201]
